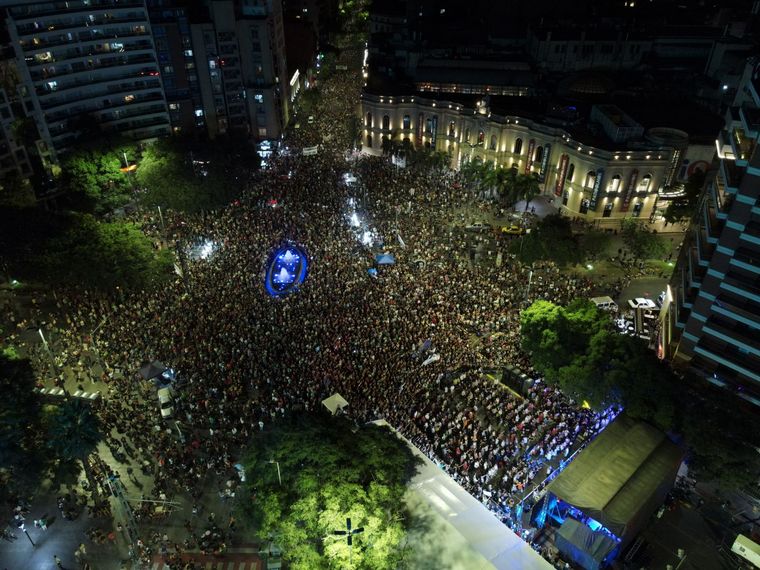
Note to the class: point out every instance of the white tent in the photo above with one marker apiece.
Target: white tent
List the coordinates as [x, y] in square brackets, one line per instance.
[334, 403]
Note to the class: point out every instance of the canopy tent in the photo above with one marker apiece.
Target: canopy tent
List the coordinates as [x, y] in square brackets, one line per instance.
[150, 370]
[334, 403]
[622, 477]
[385, 259]
[582, 545]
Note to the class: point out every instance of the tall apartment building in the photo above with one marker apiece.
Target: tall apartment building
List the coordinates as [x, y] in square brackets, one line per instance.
[712, 321]
[86, 64]
[240, 60]
[170, 23]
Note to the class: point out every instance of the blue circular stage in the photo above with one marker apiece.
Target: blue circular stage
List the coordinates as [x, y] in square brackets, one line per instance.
[286, 270]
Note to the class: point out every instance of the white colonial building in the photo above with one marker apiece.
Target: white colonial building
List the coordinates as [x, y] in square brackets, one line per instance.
[603, 185]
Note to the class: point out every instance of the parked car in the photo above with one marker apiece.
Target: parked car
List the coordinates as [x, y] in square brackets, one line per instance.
[478, 227]
[641, 303]
[166, 402]
[513, 230]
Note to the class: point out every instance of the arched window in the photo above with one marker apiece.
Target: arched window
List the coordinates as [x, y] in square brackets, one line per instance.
[644, 183]
[407, 122]
[467, 135]
[481, 137]
[539, 154]
[570, 172]
[369, 120]
[518, 147]
[590, 179]
[386, 122]
[452, 129]
[369, 141]
[614, 185]
[493, 142]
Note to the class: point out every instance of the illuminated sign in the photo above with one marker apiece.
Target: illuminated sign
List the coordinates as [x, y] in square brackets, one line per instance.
[597, 188]
[629, 189]
[544, 162]
[529, 158]
[561, 174]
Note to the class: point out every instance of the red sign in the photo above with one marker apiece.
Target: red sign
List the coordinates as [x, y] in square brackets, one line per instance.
[630, 189]
[564, 160]
[529, 158]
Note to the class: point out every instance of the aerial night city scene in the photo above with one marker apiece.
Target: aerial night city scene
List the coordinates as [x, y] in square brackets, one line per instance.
[379, 285]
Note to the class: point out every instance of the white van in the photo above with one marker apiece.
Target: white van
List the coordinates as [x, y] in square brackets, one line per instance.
[605, 303]
[166, 402]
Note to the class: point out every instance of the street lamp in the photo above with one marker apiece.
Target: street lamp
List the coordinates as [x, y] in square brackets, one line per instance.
[348, 533]
[23, 528]
[279, 477]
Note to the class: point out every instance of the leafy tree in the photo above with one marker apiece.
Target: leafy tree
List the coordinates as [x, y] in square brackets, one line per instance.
[552, 239]
[722, 438]
[16, 192]
[74, 432]
[330, 471]
[172, 176]
[683, 207]
[94, 179]
[21, 463]
[100, 255]
[577, 348]
[594, 244]
[642, 243]
[526, 188]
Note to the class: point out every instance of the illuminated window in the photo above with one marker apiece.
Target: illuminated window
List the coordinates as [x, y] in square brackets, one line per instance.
[644, 183]
[129, 98]
[173, 106]
[258, 97]
[199, 112]
[188, 53]
[590, 179]
[570, 172]
[614, 185]
[407, 122]
[52, 85]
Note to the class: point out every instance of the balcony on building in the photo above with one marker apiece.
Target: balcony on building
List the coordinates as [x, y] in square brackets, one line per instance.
[736, 306]
[36, 10]
[721, 352]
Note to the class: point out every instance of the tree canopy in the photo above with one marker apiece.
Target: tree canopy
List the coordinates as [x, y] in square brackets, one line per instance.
[552, 239]
[103, 255]
[94, 179]
[330, 470]
[181, 175]
[20, 456]
[683, 207]
[577, 348]
[642, 243]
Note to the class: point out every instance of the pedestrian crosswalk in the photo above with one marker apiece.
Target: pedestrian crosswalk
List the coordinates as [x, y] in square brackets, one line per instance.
[214, 565]
[237, 558]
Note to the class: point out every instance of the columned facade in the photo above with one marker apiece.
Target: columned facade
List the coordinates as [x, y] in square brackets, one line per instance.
[595, 184]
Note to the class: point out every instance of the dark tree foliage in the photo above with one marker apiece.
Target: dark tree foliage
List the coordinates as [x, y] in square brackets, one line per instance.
[21, 461]
[683, 208]
[552, 239]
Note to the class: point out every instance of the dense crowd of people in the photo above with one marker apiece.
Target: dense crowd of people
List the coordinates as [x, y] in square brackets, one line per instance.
[245, 359]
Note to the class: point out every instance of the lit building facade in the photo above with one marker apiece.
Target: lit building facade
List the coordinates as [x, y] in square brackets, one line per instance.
[712, 319]
[240, 60]
[88, 64]
[603, 185]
